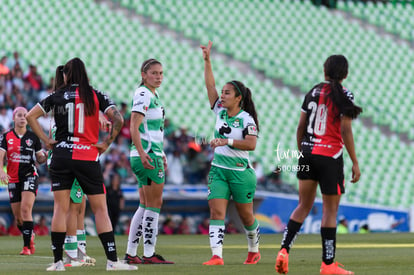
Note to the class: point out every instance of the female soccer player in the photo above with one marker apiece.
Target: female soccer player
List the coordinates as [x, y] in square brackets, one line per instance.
[231, 173]
[21, 145]
[76, 152]
[324, 127]
[148, 162]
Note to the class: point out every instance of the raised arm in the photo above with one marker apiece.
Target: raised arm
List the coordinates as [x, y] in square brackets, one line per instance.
[348, 138]
[208, 75]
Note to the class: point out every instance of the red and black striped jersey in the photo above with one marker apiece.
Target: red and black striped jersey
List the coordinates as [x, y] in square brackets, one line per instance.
[75, 131]
[323, 123]
[21, 154]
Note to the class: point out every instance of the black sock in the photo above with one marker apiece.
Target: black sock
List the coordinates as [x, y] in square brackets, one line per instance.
[27, 230]
[328, 235]
[108, 242]
[289, 236]
[58, 240]
[20, 226]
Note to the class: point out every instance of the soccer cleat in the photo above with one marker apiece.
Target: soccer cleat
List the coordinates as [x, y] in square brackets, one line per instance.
[56, 267]
[252, 258]
[155, 259]
[70, 262]
[333, 269]
[215, 260]
[132, 259]
[32, 244]
[282, 261]
[119, 265]
[82, 257]
[25, 251]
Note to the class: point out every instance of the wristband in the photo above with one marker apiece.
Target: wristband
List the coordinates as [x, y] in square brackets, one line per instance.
[230, 142]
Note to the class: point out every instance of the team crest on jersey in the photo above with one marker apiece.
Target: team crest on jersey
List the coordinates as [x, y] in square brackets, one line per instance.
[160, 174]
[236, 123]
[29, 142]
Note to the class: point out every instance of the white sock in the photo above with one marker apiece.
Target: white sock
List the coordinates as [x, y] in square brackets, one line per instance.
[135, 232]
[81, 235]
[253, 237]
[150, 231]
[71, 246]
[216, 239]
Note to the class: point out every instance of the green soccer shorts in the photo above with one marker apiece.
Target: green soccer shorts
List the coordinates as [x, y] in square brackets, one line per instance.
[145, 176]
[225, 183]
[76, 193]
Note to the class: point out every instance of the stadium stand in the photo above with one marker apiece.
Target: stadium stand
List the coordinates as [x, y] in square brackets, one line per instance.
[286, 40]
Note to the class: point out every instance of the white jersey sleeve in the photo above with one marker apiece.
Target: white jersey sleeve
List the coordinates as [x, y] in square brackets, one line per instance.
[141, 100]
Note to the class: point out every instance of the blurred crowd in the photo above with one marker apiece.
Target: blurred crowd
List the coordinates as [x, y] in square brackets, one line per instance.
[188, 160]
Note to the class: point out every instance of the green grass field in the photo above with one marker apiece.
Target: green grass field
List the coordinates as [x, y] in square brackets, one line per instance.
[364, 254]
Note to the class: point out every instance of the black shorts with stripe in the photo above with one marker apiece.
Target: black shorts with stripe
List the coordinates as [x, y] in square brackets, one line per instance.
[329, 172]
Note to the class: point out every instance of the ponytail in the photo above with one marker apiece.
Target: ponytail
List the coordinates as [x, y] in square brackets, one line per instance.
[336, 69]
[344, 104]
[246, 103]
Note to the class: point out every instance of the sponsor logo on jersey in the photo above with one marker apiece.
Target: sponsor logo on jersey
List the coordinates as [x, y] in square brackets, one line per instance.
[29, 142]
[16, 157]
[10, 141]
[69, 95]
[64, 144]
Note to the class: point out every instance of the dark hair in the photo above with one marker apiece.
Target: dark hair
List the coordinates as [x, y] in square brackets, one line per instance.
[246, 102]
[59, 82]
[336, 69]
[75, 72]
[147, 65]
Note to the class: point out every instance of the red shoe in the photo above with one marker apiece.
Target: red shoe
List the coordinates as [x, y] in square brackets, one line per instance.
[282, 261]
[155, 259]
[25, 251]
[252, 258]
[132, 259]
[215, 260]
[32, 244]
[333, 269]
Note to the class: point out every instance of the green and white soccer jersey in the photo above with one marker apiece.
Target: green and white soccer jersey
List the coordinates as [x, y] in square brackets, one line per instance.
[152, 126]
[236, 127]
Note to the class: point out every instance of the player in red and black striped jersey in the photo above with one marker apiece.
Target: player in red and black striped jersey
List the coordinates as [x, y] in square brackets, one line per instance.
[76, 150]
[324, 127]
[22, 148]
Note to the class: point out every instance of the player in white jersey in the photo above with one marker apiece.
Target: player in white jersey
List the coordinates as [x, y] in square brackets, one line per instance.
[231, 174]
[148, 162]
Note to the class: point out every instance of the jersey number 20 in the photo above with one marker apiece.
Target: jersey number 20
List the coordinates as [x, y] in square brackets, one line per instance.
[317, 119]
[70, 107]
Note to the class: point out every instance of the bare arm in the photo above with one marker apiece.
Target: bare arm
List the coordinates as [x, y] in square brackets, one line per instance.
[300, 130]
[4, 178]
[348, 138]
[117, 121]
[136, 120]
[208, 75]
[247, 144]
[31, 118]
